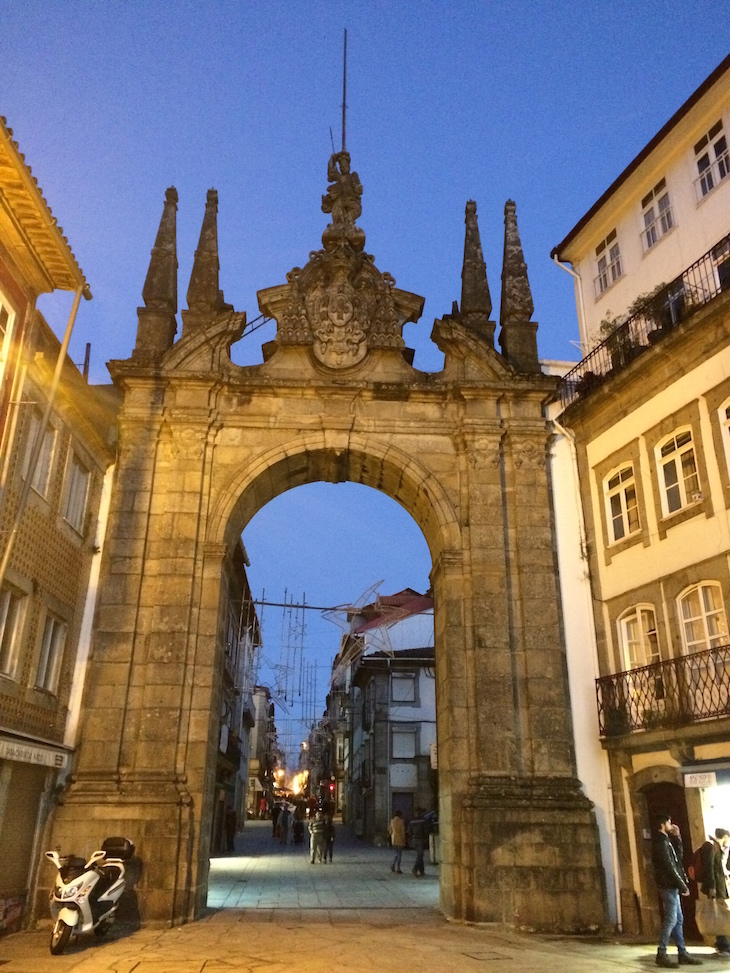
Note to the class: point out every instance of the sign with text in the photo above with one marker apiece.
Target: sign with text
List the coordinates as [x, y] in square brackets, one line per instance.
[706, 779]
[29, 753]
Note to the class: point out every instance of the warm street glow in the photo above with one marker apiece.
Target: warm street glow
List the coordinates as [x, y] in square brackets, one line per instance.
[299, 782]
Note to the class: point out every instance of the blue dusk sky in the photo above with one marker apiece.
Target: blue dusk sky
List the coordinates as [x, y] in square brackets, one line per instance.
[541, 102]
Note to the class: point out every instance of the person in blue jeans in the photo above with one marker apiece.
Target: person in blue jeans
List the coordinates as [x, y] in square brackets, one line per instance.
[671, 881]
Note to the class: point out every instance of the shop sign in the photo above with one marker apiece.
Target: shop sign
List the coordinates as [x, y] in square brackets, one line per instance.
[30, 754]
[434, 757]
[706, 779]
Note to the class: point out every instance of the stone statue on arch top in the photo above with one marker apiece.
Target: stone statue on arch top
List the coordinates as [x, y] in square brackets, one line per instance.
[344, 192]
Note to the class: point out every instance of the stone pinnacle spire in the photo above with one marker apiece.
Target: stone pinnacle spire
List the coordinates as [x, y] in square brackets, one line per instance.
[156, 320]
[204, 295]
[518, 338]
[476, 302]
[160, 287]
[203, 290]
[474, 287]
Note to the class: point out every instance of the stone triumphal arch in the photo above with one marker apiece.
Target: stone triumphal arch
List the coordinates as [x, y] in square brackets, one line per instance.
[204, 444]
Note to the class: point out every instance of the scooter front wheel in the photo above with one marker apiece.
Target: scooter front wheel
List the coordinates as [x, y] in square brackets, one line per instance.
[60, 937]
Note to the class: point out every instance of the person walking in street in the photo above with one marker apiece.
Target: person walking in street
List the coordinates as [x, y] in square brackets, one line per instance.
[230, 823]
[284, 821]
[671, 881]
[317, 832]
[329, 838]
[418, 833]
[397, 832]
[275, 812]
[714, 879]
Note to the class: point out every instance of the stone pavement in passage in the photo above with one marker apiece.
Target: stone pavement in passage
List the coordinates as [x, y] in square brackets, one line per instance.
[270, 911]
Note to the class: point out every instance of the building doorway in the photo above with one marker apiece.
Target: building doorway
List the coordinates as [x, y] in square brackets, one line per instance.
[666, 797]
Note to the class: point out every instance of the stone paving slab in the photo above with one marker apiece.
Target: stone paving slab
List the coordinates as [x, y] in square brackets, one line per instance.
[319, 942]
[393, 935]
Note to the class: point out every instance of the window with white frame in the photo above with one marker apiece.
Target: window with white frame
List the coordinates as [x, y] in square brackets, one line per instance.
[639, 638]
[608, 263]
[403, 687]
[713, 161]
[11, 613]
[42, 472]
[677, 466]
[657, 215]
[403, 742]
[77, 494]
[702, 611]
[622, 506]
[49, 661]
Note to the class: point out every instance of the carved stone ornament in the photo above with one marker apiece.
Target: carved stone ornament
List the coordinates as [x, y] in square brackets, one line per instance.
[339, 303]
[339, 327]
[529, 454]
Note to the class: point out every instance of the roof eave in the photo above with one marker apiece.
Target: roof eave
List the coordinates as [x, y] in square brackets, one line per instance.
[688, 105]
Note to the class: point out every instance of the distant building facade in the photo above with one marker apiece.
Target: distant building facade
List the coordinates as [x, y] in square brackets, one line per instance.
[381, 715]
[645, 454]
[263, 751]
[240, 635]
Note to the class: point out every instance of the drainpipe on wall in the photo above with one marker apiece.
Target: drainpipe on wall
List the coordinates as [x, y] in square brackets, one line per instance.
[579, 304]
[37, 446]
[594, 660]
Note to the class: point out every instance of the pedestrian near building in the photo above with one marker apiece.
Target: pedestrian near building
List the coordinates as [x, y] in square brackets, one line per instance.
[714, 881]
[671, 881]
[329, 839]
[397, 832]
[230, 823]
[284, 822]
[318, 837]
[275, 812]
[418, 832]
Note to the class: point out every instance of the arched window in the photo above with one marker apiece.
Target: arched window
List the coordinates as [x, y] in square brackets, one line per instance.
[702, 612]
[622, 510]
[638, 635]
[679, 481]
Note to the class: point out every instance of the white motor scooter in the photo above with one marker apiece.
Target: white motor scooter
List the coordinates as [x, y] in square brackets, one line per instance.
[86, 893]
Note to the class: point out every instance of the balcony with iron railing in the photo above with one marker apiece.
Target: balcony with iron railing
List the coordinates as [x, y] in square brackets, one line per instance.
[674, 303]
[679, 692]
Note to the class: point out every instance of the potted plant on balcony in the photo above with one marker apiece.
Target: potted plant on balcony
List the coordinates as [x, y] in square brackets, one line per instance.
[616, 718]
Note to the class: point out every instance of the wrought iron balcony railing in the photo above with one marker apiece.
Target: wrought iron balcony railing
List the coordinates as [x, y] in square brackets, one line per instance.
[680, 691]
[678, 300]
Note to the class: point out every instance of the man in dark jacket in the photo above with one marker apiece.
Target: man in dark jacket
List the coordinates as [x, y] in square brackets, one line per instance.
[418, 831]
[667, 853]
[714, 884]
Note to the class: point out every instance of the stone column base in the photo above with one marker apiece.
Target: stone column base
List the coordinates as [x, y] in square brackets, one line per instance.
[166, 881]
[535, 855]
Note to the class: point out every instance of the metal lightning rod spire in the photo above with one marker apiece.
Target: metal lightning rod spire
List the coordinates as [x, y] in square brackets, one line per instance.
[344, 89]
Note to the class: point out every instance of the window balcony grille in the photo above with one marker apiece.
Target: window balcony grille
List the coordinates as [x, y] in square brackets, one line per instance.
[712, 175]
[694, 288]
[665, 694]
